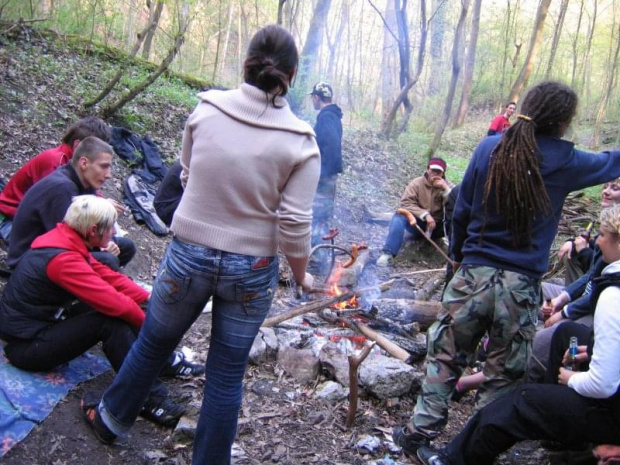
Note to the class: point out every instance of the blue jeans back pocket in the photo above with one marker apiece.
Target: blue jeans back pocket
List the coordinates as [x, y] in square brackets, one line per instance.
[172, 282]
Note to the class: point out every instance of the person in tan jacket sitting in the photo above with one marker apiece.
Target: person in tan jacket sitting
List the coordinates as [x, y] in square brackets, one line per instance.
[425, 198]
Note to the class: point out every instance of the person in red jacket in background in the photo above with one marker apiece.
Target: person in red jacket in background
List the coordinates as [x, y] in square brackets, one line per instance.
[43, 164]
[43, 323]
[502, 122]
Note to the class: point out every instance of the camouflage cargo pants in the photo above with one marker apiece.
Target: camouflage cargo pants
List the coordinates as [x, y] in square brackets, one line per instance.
[478, 299]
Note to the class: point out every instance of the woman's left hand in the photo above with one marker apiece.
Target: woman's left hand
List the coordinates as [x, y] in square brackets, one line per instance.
[564, 376]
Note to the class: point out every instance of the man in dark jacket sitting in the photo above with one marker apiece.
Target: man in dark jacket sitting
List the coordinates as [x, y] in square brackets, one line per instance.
[46, 203]
[46, 326]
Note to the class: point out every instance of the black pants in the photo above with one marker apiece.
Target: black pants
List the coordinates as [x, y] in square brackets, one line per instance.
[70, 338]
[127, 249]
[560, 341]
[539, 411]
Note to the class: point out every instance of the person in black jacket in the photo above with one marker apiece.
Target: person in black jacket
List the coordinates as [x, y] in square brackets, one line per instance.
[46, 203]
[328, 131]
[169, 194]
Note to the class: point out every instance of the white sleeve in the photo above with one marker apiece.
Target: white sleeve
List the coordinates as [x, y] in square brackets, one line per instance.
[603, 377]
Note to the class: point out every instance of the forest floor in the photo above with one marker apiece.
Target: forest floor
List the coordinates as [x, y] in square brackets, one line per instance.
[41, 83]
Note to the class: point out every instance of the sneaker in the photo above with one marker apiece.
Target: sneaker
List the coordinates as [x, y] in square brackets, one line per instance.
[165, 413]
[89, 405]
[409, 442]
[385, 260]
[181, 367]
[429, 456]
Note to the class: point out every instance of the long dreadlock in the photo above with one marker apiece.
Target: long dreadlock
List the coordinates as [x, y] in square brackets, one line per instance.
[514, 174]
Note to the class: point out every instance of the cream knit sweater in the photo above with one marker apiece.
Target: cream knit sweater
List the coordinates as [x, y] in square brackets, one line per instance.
[250, 171]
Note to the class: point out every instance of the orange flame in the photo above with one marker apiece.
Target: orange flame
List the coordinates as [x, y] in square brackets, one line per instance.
[335, 290]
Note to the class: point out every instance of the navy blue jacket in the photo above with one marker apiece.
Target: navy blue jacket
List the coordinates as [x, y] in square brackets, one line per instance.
[580, 290]
[328, 131]
[43, 206]
[564, 169]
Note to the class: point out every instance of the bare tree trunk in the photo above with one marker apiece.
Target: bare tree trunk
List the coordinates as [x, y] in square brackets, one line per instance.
[586, 56]
[121, 70]
[470, 62]
[333, 44]
[457, 60]
[183, 18]
[574, 44]
[154, 16]
[388, 59]
[403, 96]
[231, 8]
[556, 36]
[219, 42]
[388, 123]
[611, 82]
[129, 25]
[535, 42]
[437, 30]
[280, 11]
[404, 53]
[507, 42]
[314, 38]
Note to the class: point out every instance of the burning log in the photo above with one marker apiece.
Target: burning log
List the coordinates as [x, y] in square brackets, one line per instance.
[354, 364]
[347, 276]
[406, 311]
[321, 304]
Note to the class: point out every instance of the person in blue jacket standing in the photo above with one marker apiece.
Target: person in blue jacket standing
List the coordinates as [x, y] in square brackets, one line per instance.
[505, 220]
[328, 129]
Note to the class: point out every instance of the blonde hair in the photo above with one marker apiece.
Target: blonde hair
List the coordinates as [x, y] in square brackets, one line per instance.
[610, 219]
[615, 182]
[88, 210]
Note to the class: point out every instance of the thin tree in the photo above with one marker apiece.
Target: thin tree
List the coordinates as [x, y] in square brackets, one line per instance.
[122, 68]
[556, 36]
[388, 122]
[536, 40]
[586, 56]
[612, 76]
[280, 11]
[183, 20]
[470, 63]
[155, 12]
[457, 61]
[574, 43]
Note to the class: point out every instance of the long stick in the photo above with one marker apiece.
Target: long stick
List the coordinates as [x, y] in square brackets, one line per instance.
[354, 364]
[315, 306]
[409, 273]
[390, 347]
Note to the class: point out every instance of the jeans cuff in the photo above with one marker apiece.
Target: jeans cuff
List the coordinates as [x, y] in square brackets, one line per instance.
[118, 428]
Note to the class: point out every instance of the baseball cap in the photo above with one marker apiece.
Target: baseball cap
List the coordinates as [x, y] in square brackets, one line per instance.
[322, 89]
[437, 164]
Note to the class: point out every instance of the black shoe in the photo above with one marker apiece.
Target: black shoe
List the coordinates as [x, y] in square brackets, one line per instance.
[182, 368]
[165, 413]
[89, 404]
[409, 442]
[457, 395]
[429, 456]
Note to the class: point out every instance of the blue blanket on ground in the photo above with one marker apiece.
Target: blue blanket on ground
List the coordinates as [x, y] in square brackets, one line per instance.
[27, 398]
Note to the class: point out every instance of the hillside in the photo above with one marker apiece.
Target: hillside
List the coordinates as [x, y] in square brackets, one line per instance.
[43, 81]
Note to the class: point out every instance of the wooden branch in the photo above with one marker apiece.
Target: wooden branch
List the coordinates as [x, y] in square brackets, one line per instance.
[316, 306]
[354, 364]
[384, 21]
[390, 347]
[409, 273]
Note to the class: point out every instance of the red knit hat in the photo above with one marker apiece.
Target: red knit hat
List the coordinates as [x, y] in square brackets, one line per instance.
[437, 164]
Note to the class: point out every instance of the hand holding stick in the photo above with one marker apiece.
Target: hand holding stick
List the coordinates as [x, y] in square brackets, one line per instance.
[412, 221]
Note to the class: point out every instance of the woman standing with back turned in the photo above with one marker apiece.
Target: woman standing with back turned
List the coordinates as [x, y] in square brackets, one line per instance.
[251, 169]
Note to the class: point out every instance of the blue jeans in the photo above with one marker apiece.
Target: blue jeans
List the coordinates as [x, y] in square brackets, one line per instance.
[396, 234]
[242, 287]
[6, 225]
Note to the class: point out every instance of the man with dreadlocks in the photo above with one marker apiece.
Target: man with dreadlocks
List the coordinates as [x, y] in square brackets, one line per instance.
[504, 223]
